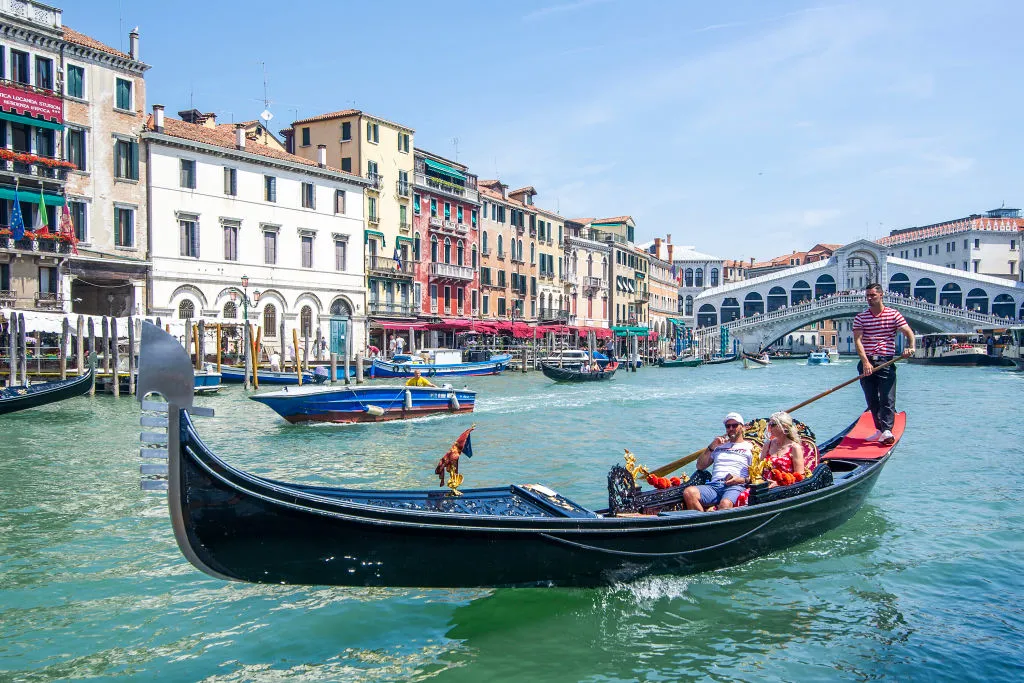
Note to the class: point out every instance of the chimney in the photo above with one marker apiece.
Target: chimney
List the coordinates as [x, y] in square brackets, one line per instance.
[289, 138]
[657, 247]
[133, 42]
[239, 136]
[752, 261]
[158, 118]
[321, 155]
[670, 248]
[209, 120]
[668, 239]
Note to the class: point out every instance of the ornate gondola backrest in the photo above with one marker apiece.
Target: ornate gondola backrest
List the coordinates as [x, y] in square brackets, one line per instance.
[756, 431]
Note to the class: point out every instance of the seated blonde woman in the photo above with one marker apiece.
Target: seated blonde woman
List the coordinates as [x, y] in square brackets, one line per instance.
[783, 450]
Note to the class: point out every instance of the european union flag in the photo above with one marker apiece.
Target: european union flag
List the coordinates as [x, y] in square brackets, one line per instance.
[17, 220]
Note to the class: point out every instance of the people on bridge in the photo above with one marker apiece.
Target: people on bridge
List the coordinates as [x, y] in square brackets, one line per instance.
[729, 457]
[874, 335]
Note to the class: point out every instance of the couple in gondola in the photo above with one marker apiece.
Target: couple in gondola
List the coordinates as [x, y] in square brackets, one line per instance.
[730, 456]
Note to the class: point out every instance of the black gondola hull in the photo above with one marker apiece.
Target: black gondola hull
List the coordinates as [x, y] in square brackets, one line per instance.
[13, 400]
[566, 374]
[242, 527]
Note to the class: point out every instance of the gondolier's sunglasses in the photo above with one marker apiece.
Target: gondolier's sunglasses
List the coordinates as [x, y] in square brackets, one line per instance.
[729, 425]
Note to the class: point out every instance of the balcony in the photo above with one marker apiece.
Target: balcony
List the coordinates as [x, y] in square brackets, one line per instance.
[390, 308]
[435, 222]
[643, 297]
[592, 282]
[461, 229]
[556, 316]
[8, 298]
[48, 301]
[386, 265]
[25, 164]
[518, 260]
[404, 227]
[447, 187]
[373, 219]
[50, 243]
[450, 271]
[376, 181]
[485, 251]
[402, 188]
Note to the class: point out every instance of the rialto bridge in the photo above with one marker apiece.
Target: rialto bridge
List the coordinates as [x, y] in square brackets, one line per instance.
[761, 310]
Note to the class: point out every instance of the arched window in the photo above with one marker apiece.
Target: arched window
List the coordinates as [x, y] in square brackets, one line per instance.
[433, 248]
[416, 247]
[186, 310]
[1003, 306]
[501, 254]
[977, 300]
[899, 283]
[753, 304]
[483, 241]
[698, 277]
[474, 257]
[800, 293]
[460, 253]
[447, 250]
[706, 316]
[925, 289]
[951, 295]
[306, 322]
[688, 277]
[230, 310]
[730, 310]
[688, 306]
[520, 250]
[824, 285]
[341, 308]
[777, 298]
[533, 253]
[714, 277]
[269, 321]
[590, 265]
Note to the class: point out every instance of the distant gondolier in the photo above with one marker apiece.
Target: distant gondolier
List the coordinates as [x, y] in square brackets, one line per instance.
[874, 334]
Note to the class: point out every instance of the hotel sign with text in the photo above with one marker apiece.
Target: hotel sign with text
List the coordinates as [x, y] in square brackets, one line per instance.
[18, 101]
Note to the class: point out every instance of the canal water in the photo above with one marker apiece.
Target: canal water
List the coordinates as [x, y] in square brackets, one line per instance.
[923, 584]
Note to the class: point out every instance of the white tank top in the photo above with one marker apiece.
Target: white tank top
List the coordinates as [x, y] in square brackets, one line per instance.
[732, 458]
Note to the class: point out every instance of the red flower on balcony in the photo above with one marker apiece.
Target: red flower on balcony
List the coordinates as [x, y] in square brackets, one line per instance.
[11, 155]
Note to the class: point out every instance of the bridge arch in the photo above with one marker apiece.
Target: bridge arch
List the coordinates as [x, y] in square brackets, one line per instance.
[951, 295]
[899, 283]
[925, 289]
[977, 300]
[730, 310]
[777, 298]
[707, 316]
[824, 285]
[1003, 306]
[753, 304]
[799, 293]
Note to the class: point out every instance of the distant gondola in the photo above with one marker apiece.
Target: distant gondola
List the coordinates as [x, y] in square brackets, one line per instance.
[575, 374]
[681, 362]
[13, 399]
[235, 525]
[718, 360]
[750, 360]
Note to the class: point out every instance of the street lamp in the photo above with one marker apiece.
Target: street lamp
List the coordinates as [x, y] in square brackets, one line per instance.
[246, 340]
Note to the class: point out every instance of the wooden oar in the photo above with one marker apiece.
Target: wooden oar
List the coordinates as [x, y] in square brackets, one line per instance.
[682, 462]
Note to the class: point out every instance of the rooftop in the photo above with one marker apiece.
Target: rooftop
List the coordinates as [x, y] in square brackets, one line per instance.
[73, 36]
[348, 112]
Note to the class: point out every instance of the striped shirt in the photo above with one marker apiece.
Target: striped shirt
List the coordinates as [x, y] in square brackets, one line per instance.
[878, 332]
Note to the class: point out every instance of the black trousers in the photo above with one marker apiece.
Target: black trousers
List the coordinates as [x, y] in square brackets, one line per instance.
[880, 392]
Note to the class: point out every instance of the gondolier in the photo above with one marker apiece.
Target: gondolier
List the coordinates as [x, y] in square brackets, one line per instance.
[874, 334]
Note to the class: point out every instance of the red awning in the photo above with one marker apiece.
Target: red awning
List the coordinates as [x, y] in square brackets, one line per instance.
[501, 325]
[523, 331]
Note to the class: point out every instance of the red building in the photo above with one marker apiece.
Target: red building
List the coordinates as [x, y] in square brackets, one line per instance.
[446, 229]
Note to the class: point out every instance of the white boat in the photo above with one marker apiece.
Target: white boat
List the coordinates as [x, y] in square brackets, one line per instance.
[818, 358]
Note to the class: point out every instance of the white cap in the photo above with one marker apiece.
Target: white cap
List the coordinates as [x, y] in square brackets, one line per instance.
[733, 416]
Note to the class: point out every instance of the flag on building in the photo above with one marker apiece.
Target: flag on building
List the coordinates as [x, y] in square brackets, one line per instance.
[17, 220]
[42, 224]
[398, 258]
[67, 228]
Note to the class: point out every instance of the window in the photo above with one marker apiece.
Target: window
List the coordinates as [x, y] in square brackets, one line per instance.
[339, 201]
[458, 215]
[340, 250]
[269, 321]
[403, 217]
[231, 182]
[460, 253]
[189, 237]
[372, 132]
[371, 205]
[977, 243]
[433, 297]
[124, 227]
[186, 310]
[501, 306]
[5, 276]
[44, 73]
[188, 173]
[75, 86]
[472, 220]
[433, 208]
[79, 219]
[346, 164]
[403, 142]
[230, 310]
[48, 279]
[433, 248]
[305, 136]
[269, 247]
[447, 211]
[20, 67]
[76, 147]
[371, 170]
[307, 251]
[486, 303]
[124, 94]
[460, 297]
[230, 242]
[416, 204]
[126, 159]
[447, 250]
[416, 247]
[270, 188]
[308, 196]
[1013, 244]
[346, 131]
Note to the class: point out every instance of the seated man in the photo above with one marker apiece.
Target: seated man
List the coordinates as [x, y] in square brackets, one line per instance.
[729, 456]
[419, 381]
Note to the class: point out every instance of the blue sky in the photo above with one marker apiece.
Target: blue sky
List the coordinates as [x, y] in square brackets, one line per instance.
[743, 128]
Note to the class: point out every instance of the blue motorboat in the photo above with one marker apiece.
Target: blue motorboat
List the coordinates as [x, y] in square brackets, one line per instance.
[207, 381]
[233, 375]
[404, 366]
[818, 358]
[365, 403]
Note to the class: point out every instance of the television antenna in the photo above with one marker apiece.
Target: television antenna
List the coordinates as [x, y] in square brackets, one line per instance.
[455, 143]
[265, 114]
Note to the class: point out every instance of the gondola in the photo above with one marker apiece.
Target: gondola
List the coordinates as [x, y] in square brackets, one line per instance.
[750, 360]
[574, 374]
[718, 360]
[13, 399]
[238, 526]
[681, 362]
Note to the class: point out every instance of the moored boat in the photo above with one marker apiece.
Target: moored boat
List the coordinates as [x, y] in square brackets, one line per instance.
[239, 526]
[13, 399]
[578, 374]
[965, 350]
[681, 362]
[365, 403]
[235, 375]
[404, 368]
[719, 360]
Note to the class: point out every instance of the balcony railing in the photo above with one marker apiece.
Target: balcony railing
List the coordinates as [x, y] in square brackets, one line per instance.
[451, 271]
[592, 282]
[518, 260]
[555, 315]
[27, 164]
[461, 228]
[447, 187]
[390, 308]
[643, 297]
[48, 300]
[435, 222]
[376, 180]
[373, 219]
[8, 298]
[485, 251]
[402, 188]
[387, 265]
